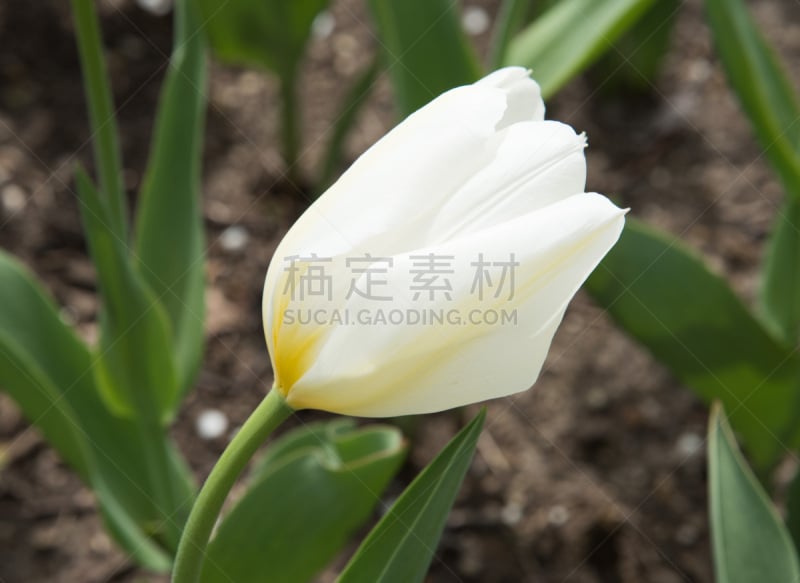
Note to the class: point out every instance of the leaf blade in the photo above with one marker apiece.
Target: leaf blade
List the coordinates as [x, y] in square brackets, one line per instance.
[780, 286]
[47, 370]
[327, 477]
[403, 554]
[760, 83]
[701, 330]
[169, 226]
[569, 36]
[749, 539]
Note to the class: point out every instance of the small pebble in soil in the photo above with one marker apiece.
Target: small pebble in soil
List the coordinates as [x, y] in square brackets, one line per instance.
[558, 515]
[323, 25]
[512, 513]
[157, 7]
[100, 544]
[211, 424]
[475, 20]
[14, 199]
[234, 238]
[689, 444]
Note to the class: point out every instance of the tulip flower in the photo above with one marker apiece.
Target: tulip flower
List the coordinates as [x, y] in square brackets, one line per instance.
[433, 274]
[476, 175]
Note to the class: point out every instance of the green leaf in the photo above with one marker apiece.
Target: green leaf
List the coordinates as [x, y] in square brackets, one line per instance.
[780, 291]
[760, 83]
[169, 235]
[570, 36]
[691, 320]
[135, 369]
[270, 34]
[30, 373]
[637, 55]
[426, 51]
[793, 510]
[100, 105]
[750, 541]
[401, 546]
[48, 372]
[314, 489]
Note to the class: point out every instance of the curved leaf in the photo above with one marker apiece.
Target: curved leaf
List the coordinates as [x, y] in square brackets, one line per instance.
[571, 35]
[48, 373]
[750, 541]
[307, 497]
[400, 548]
[169, 225]
[691, 320]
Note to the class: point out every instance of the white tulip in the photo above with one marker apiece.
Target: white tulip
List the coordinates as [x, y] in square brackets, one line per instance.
[476, 176]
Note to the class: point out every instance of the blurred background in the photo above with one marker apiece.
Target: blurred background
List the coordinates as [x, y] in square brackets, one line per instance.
[595, 476]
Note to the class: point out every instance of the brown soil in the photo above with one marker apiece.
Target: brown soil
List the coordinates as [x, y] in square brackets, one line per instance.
[595, 476]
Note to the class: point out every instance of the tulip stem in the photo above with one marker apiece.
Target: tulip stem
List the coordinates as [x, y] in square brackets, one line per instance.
[272, 411]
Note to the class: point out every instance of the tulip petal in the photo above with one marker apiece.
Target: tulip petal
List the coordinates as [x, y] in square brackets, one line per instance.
[394, 369]
[444, 143]
[524, 95]
[536, 164]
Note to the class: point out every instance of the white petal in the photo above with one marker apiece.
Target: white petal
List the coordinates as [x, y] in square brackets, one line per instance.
[536, 164]
[384, 370]
[405, 177]
[524, 95]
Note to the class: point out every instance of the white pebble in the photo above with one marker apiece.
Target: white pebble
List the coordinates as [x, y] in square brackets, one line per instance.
[689, 444]
[211, 424]
[14, 199]
[323, 25]
[234, 238]
[157, 7]
[511, 513]
[558, 515]
[475, 20]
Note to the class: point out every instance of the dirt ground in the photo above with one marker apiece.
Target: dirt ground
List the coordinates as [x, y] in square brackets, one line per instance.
[595, 476]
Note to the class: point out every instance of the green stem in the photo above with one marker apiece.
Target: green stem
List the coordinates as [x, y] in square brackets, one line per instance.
[272, 411]
[101, 113]
[290, 126]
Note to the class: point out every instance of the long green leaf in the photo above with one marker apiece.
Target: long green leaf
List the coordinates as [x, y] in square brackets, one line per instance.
[749, 538]
[636, 58]
[793, 510]
[169, 237]
[48, 372]
[780, 289]
[691, 320]
[304, 503]
[135, 364]
[105, 137]
[425, 49]
[768, 99]
[570, 36]
[401, 546]
[28, 323]
[134, 367]
[761, 85]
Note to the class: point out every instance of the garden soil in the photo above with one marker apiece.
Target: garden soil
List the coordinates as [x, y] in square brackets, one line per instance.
[597, 475]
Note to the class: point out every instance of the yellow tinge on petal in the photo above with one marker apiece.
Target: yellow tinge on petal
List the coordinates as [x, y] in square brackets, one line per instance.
[296, 346]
